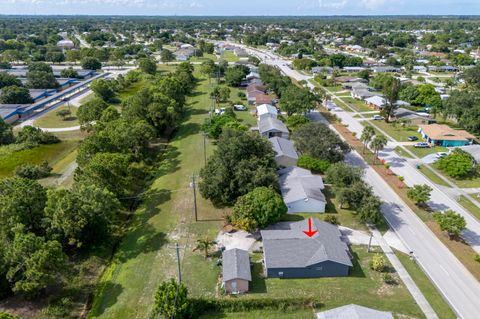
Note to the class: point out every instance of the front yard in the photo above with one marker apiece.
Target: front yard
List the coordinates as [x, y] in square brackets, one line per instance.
[397, 131]
[357, 105]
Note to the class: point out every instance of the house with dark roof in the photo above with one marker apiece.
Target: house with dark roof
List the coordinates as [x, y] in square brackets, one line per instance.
[254, 90]
[236, 273]
[271, 127]
[301, 190]
[353, 311]
[285, 153]
[411, 117]
[263, 99]
[289, 253]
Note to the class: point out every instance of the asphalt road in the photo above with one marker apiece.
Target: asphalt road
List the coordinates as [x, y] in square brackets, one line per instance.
[455, 282]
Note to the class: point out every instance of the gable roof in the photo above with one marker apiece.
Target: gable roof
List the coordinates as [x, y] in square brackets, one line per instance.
[445, 132]
[263, 99]
[271, 124]
[291, 248]
[266, 109]
[353, 311]
[236, 265]
[300, 184]
[256, 87]
[283, 147]
[376, 100]
[402, 113]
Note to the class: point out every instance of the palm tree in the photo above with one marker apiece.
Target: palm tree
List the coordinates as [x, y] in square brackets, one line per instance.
[205, 244]
[377, 144]
[367, 135]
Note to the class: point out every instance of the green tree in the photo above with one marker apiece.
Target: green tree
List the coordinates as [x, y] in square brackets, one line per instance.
[457, 164]
[367, 135]
[220, 94]
[419, 194]
[166, 56]
[33, 171]
[318, 141]
[91, 63]
[6, 133]
[102, 89]
[207, 68]
[91, 111]
[33, 263]
[472, 77]
[258, 209]
[69, 73]
[15, 95]
[343, 175]
[295, 121]
[297, 100]
[450, 222]
[147, 65]
[313, 164]
[81, 216]
[64, 113]
[391, 91]
[204, 244]
[171, 300]
[41, 80]
[4, 315]
[234, 75]
[241, 162]
[369, 210]
[377, 144]
[8, 80]
[21, 202]
[32, 136]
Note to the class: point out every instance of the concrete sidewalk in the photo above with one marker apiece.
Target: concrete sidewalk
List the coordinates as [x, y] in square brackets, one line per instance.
[404, 275]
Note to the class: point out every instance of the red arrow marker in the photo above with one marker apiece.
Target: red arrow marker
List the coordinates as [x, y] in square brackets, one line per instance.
[310, 232]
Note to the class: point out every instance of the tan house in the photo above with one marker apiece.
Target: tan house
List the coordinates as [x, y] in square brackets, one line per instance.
[444, 135]
[236, 273]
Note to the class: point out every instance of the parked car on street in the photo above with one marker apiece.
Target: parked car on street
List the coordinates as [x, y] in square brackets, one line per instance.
[441, 154]
[422, 145]
[377, 117]
[412, 138]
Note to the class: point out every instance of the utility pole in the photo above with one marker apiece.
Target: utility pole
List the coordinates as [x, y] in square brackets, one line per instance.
[194, 197]
[370, 242]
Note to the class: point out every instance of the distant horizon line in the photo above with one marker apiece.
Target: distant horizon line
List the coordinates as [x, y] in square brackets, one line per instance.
[236, 16]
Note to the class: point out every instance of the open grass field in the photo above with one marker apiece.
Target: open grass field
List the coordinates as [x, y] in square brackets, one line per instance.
[264, 314]
[396, 131]
[145, 257]
[52, 120]
[229, 56]
[52, 153]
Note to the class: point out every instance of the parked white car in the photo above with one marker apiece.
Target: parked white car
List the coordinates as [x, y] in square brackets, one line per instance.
[240, 107]
[377, 117]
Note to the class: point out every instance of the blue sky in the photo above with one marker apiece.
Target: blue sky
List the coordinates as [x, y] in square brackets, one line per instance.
[240, 7]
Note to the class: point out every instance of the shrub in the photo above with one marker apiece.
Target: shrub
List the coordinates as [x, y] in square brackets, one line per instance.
[5, 315]
[33, 171]
[378, 263]
[458, 164]
[332, 219]
[401, 178]
[313, 164]
[477, 258]
[388, 279]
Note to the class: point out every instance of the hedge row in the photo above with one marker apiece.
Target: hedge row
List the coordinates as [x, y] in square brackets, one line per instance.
[201, 306]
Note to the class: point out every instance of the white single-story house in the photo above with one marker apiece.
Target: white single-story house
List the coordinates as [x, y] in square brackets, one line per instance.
[272, 127]
[266, 110]
[301, 190]
[286, 155]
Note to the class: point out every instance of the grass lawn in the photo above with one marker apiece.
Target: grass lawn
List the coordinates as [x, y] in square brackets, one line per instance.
[335, 89]
[52, 153]
[205, 57]
[432, 176]
[430, 292]
[422, 152]
[363, 287]
[397, 132]
[132, 89]
[229, 56]
[472, 182]
[360, 106]
[52, 120]
[145, 257]
[264, 314]
[471, 207]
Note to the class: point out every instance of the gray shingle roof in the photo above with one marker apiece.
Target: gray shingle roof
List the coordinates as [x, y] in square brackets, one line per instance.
[353, 311]
[291, 248]
[299, 184]
[236, 265]
[283, 147]
[271, 124]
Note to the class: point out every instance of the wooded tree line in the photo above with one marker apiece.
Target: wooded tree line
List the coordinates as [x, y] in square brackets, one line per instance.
[41, 228]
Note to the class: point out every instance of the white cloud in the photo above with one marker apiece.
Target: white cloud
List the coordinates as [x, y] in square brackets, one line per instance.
[372, 4]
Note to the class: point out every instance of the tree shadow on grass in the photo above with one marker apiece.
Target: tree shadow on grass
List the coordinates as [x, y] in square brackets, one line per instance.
[186, 130]
[169, 161]
[110, 291]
